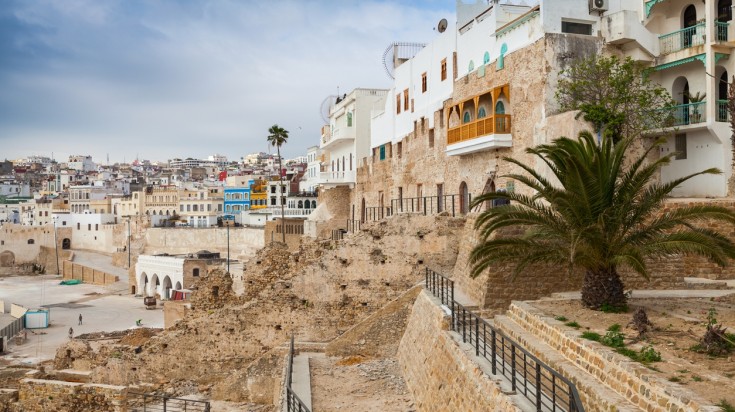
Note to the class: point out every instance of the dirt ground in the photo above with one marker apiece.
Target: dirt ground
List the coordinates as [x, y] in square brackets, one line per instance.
[356, 384]
[678, 324]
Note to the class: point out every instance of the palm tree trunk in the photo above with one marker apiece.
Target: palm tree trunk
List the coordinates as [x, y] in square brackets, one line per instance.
[603, 287]
[283, 214]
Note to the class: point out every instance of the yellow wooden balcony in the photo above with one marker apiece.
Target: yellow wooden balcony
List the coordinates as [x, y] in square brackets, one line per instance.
[482, 134]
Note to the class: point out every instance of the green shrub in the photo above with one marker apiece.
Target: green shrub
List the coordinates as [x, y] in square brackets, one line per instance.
[649, 354]
[613, 339]
[591, 336]
[614, 328]
[573, 324]
[561, 318]
[674, 379]
[726, 406]
[607, 308]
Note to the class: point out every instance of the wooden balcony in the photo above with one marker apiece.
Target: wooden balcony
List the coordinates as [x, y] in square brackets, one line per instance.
[483, 134]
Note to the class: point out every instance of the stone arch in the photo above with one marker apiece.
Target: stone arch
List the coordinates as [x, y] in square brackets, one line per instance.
[178, 286]
[143, 284]
[167, 286]
[7, 259]
[489, 188]
[464, 199]
[153, 285]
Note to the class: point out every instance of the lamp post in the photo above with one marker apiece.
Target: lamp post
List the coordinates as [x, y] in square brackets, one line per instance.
[228, 247]
[56, 244]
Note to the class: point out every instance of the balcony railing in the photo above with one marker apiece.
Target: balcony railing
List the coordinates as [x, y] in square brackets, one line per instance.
[684, 38]
[337, 177]
[723, 113]
[691, 113]
[341, 133]
[500, 123]
[276, 211]
[721, 27]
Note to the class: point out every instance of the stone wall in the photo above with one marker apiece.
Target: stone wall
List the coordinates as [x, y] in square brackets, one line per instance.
[294, 232]
[439, 374]
[628, 378]
[243, 241]
[36, 395]
[47, 258]
[331, 213]
[173, 311]
[86, 274]
[25, 242]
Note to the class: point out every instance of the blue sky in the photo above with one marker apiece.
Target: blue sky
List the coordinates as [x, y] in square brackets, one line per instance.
[163, 79]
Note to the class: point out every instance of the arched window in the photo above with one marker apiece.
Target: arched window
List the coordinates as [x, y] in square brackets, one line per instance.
[500, 108]
[722, 86]
[467, 117]
[464, 199]
[301, 204]
[313, 204]
[689, 19]
[724, 10]
[486, 58]
[481, 113]
[471, 66]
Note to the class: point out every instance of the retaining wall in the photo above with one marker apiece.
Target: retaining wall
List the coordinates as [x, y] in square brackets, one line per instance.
[86, 274]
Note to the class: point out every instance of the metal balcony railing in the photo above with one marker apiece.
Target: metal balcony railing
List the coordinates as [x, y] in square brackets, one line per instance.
[429, 205]
[682, 39]
[723, 112]
[721, 28]
[691, 113]
[528, 375]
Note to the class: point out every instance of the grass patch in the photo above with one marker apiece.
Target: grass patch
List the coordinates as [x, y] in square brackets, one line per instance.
[591, 336]
[675, 379]
[646, 355]
[573, 324]
[561, 318]
[607, 308]
[726, 406]
[683, 371]
[614, 328]
[697, 378]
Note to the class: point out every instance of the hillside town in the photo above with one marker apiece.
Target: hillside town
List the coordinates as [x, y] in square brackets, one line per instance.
[475, 237]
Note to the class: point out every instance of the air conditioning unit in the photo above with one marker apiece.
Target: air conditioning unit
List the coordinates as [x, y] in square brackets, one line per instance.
[599, 5]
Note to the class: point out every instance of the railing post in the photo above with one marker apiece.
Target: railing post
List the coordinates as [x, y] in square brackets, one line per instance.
[164, 404]
[493, 351]
[538, 387]
[464, 326]
[425, 207]
[513, 366]
[452, 205]
[477, 336]
[454, 326]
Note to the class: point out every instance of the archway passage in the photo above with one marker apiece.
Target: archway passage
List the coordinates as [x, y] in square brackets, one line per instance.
[166, 292]
[66, 243]
[464, 201]
[178, 286]
[489, 188]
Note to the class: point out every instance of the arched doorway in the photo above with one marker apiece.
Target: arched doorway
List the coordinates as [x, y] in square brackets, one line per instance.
[464, 199]
[152, 289]
[132, 289]
[724, 12]
[680, 93]
[178, 286]
[688, 19]
[66, 243]
[489, 188]
[166, 292]
[722, 92]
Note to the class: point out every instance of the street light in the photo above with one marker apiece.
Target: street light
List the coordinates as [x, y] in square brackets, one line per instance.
[228, 248]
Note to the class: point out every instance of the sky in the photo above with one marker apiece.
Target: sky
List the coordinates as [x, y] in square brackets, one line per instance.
[163, 79]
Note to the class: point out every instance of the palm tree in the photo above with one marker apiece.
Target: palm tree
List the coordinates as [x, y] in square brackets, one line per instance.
[605, 212]
[277, 137]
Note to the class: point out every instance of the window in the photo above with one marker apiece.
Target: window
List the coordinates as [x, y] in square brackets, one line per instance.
[500, 108]
[681, 146]
[79, 226]
[181, 208]
[467, 117]
[382, 152]
[349, 119]
[431, 137]
[486, 58]
[576, 28]
[31, 241]
[405, 100]
[89, 227]
[444, 69]
[424, 84]
[273, 200]
[398, 103]
[400, 149]
[96, 226]
[195, 272]
[481, 113]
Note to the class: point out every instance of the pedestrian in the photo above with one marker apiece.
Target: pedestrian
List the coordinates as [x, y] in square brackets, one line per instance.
[71, 333]
[80, 318]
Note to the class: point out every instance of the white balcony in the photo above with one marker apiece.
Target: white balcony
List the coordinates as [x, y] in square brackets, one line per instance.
[337, 178]
[276, 211]
[342, 134]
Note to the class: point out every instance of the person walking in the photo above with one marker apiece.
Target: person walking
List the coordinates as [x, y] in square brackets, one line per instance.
[71, 333]
[80, 318]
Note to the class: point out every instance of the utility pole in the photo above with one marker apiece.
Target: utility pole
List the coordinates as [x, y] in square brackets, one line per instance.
[56, 244]
[128, 242]
[228, 248]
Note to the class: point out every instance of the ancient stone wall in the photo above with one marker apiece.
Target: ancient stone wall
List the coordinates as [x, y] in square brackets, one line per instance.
[36, 395]
[331, 213]
[86, 274]
[439, 374]
[47, 258]
[243, 241]
[628, 378]
[25, 242]
[294, 232]
[173, 311]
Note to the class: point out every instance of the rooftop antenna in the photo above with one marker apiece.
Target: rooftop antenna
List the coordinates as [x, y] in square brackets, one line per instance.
[397, 53]
[442, 26]
[327, 105]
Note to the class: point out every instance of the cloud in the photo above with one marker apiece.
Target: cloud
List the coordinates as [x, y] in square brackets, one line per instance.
[171, 78]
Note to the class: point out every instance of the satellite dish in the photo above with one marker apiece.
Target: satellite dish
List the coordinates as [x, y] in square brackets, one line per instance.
[326, 107]
[442, 26]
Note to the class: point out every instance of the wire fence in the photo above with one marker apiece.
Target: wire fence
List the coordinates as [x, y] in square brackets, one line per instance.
[143, 402]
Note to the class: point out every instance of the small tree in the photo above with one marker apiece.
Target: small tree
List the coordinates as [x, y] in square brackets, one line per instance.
[277, 137]
[606, 212]
[616, 96]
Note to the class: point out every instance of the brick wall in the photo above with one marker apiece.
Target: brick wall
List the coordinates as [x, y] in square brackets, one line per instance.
[439, 374]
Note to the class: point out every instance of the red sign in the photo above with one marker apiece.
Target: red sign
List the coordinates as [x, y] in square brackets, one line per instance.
[222, 175]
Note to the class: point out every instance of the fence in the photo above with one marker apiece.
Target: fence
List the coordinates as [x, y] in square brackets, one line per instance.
[529, 376]
[338, 234]
[293, 403]
[11, 330]
[376, 213]
[682, 39]
[428, 205]
[141, 402]
[353, 225]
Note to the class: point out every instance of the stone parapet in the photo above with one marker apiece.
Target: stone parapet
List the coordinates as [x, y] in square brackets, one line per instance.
[628, 378]
[440, 375]
[36, 395]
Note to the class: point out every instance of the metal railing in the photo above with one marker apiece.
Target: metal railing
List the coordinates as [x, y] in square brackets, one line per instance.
[528, 375]
[338, 234]
[353, 225]
[721, 28]
[723, 112]
[376, 213]
[143, 402]
[691, 113]
[293, 403]
[428, 205]
[682, 39]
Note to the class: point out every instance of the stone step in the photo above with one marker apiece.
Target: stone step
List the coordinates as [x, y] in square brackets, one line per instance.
[593, 393]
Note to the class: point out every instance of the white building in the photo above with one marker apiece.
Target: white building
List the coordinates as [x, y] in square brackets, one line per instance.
[346, 141]
[81, 163]
[312, 177]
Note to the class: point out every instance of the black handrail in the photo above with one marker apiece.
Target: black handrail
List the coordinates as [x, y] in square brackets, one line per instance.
[529, 376]
[429, 205]
[166, 403]
[371, 214]
[293, 403]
